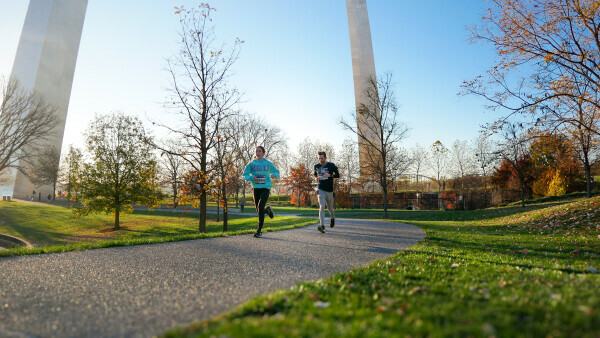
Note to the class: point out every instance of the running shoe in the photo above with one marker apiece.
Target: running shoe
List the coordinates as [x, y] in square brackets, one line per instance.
[258, 234]
[321, 229]
[332, 224]
[269, 211]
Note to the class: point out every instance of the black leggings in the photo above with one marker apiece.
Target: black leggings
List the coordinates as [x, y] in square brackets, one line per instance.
[261, 195]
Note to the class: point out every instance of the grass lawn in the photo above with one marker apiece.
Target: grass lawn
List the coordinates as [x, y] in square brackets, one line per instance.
[502, 272]
[55, 229]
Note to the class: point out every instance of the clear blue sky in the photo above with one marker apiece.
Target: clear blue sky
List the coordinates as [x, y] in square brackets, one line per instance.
[295, 65]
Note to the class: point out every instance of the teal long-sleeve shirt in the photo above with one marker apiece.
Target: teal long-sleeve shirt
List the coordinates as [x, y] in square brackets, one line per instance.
[261, 168]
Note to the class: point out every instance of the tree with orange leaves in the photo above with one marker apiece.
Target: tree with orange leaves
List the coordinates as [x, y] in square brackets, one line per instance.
[557, 166]
[299, 181]
[555, 41]
[555, 44]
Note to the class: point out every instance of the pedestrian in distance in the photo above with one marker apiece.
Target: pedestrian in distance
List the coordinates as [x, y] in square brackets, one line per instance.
[259, 172]
[242, 204]
[325, 172]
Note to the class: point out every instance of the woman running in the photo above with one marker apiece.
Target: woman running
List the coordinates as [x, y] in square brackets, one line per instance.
[259, 172]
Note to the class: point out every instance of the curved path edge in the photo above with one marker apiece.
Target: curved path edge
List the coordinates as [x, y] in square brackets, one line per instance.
[141, 291]
[12, 241]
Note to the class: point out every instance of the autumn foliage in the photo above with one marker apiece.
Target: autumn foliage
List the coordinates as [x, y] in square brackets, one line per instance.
[507, 175]
[550, 168]
[299, 182]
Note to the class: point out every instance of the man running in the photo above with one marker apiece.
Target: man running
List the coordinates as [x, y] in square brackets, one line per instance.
[325, 172]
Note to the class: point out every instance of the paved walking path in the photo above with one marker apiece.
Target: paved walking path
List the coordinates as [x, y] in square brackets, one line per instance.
[141, 291]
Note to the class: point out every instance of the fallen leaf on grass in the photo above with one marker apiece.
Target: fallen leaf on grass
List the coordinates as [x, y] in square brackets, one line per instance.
[417, 289]
[482, 291]
[455, 265]
[382, 308]
[488, 329]
[586, 309]
[402, 309]
[321, 305]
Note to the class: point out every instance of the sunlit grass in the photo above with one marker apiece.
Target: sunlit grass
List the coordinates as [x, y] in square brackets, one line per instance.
[54, 229]
[504, 272]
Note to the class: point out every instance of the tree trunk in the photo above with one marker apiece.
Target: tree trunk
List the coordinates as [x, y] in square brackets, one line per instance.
[588, 180]
[117, 227]
[225, 208]
[439, 196]
[225, 217]
[588, 176]
[218, 210]
[202, 217]
[462, 193]
[174, 196]
[522, 193]
[385, 203]
[485, 196]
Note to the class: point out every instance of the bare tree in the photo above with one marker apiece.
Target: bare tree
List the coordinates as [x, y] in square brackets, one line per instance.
[486, 157]
[399, 160]
[27, 122]
[438, 163]
[462, 160]
[419, 157]
[246, 131]
[462, 165]
[249, 131]
[201, 97]
[174, 167]
[380, 134]
[223, 165]
[44, 168]
[308, 152]
[514, 149]
[348, 162]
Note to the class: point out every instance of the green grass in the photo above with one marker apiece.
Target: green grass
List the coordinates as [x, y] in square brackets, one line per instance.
[55, 229]
[505, 272]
